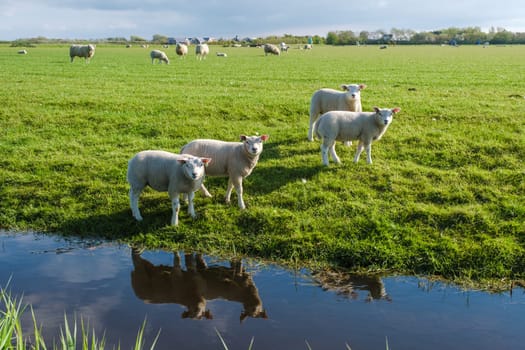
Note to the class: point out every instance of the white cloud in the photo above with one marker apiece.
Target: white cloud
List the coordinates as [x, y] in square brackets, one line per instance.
[123, 18]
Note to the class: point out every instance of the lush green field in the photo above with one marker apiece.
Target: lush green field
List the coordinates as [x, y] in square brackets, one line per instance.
[445, 194]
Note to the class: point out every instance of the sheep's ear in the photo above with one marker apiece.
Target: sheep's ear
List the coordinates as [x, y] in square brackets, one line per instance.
[362, 86]
[243, 137]
[181, 160]
[344, 87]
[396, 110]
[206, 161]
[265, 137]
[376, 109]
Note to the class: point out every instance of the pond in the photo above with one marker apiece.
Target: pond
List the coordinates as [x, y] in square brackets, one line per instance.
[189, 297]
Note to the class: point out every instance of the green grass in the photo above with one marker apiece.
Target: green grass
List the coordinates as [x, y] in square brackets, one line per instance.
[444, 195]
[14, 337]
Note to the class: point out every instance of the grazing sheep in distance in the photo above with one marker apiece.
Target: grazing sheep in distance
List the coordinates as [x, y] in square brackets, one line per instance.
[86, 51]
[346, 126]
[165, 171]
[202, 50]
[233, 159]
[159, 55]
[222, 54]
[22, 52]
[325, 100]
[284, 47]
[272, 49]
[181, 49]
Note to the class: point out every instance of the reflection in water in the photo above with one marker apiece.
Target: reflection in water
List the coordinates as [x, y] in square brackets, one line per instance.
[349, 284]
[196, 285]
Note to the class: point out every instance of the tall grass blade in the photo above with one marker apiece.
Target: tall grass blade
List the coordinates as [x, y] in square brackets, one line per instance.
[222, 340]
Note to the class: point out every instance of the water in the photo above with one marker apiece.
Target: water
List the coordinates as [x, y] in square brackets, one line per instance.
[188, 298]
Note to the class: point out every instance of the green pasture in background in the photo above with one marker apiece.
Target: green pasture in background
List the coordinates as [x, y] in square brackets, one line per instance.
[444, 196]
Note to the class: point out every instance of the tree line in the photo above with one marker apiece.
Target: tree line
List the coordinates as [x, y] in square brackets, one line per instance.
[452, 35]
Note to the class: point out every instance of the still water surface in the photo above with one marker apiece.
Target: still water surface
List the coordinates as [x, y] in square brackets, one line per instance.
[188, 297]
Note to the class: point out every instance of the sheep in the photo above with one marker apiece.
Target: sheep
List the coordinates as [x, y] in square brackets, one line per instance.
[202, 50]
[86, 51]
[222, 54]
[233, 159]
[284, 47]
[165, 171]
[159, 55]
[272, 49]
[181, 49]
[325, 100]
[22, 52]
[345, 126]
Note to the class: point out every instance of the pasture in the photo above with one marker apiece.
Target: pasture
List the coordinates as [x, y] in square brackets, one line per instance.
[444, 196]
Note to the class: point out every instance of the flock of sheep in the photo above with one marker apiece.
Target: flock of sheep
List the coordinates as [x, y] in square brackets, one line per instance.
[181, 49]
[334, 116]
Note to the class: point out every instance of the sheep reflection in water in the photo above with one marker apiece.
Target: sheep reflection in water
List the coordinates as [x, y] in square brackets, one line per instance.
[195, 285]
[348, 285]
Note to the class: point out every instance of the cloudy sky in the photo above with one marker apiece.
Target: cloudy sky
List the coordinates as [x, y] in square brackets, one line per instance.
[98, 19]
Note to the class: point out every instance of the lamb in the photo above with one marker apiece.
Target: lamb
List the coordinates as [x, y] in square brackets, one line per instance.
[22, 52]
[165, 171]
[345, 126]
[202, 50]
[159, 55]
[325, 100]
[181, 49]
[233, 159]
[272, 49]
[86, 51]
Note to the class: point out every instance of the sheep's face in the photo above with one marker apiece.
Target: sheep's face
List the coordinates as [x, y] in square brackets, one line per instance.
[253, 144]
[384, 116]
[354, 90]
[193, 167]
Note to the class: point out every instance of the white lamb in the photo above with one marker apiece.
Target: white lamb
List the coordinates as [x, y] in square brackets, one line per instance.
[159, 55]
[181, 49]
[270, 48]
[164, 171]
[202, 50]
[233, 159]
[86, 51]
[326, 100]
[346, 126]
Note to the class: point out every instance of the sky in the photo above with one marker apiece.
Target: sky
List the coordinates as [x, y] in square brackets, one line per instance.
[100, 19]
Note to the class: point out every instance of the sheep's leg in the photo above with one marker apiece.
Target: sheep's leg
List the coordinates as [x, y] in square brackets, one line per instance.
[191, 209]
[237, 183]
[134, 194]
[175, 208]
[333, 154]
[368, 153]
[204, 191]
[324, 154]
[228, 191]
[311, 129]
[360, 148]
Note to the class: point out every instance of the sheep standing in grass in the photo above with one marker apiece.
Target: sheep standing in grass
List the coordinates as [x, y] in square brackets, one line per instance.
[159, 55]
[164, 171]
[202, 50]
[346, 126]
[272, 49]
[181, 49]
[86, 51]
[233, 159]
[325, 100]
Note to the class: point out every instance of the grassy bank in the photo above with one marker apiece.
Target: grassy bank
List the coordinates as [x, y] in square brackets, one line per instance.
[444, 195]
